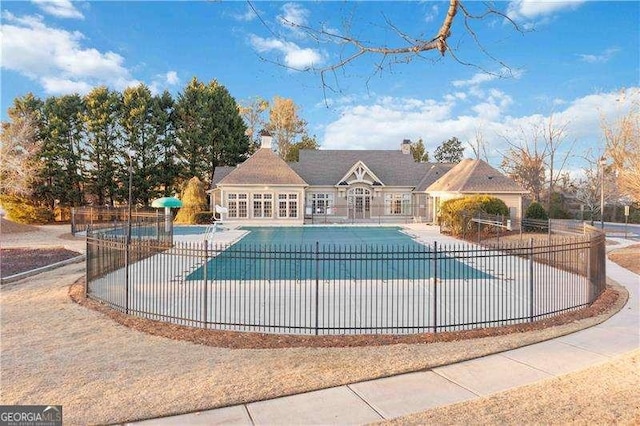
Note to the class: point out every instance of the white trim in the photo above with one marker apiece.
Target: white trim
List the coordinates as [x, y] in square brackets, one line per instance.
[360, 170]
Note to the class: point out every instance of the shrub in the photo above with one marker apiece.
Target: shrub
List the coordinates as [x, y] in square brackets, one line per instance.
[194, 201]
[456, 214]
[536, 211]
[204, 218]
[22, 210]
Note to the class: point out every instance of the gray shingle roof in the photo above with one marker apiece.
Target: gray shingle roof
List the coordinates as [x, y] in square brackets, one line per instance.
[328, 167]
[475, 176]
[435, 172]
[220, 172]
[264, 167]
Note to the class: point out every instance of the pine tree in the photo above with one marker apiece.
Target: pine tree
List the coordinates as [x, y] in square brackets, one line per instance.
[101, 118]
[419, 152]
[61, 176]
[164, 135]
[209, 129]
[139, 136]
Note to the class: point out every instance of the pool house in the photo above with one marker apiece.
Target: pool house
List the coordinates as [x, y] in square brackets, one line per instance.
[354, 186]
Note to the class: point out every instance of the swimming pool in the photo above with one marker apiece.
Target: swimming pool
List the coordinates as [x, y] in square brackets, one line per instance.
[331, 253]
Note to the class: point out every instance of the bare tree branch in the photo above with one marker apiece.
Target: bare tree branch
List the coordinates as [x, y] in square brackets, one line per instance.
[356, 48]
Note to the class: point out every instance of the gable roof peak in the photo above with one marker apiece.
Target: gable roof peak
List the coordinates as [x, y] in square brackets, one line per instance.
[264, 167]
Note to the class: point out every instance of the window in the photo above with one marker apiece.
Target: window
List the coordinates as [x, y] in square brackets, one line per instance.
[262, 205]
[397, 204]
[237, 205]
[288, 205]
[321, 203]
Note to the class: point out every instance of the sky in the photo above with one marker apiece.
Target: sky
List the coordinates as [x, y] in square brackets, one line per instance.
[575, 61]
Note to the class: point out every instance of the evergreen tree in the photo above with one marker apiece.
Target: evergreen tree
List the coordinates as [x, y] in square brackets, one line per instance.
[164, 134]
[139, 136]
[229, 144]
[61, 175]
[191, 118]
[419, 152]
[104, 150]
[450, 151]
[209, 129]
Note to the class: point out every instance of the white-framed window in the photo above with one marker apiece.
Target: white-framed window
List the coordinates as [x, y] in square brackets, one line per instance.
[321, 203]
[237, 205]
[262, 205]
[397, 204]
[288, 205]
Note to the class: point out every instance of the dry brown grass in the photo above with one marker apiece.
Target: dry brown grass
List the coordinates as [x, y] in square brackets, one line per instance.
[628, 258]
[55, 351]
[9, 227]
[603, 394]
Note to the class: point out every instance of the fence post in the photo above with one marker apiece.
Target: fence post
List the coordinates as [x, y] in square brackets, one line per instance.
[317, 260]
[205, 271]
[531, 280]
[86, 267]
[126, 277]
[435, 287]
[73, 221]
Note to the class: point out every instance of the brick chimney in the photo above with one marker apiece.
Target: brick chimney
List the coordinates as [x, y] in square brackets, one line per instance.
[265, 139]
[405, 147]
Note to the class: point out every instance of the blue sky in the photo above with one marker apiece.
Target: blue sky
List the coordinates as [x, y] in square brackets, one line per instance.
[571, 59]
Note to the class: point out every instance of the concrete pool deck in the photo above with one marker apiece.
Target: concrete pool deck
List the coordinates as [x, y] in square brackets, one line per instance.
[390, 397]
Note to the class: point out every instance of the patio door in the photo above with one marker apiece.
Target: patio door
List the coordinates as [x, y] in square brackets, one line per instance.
[359, 202]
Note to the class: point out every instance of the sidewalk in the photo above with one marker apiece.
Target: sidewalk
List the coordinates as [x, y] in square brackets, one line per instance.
[399, 395]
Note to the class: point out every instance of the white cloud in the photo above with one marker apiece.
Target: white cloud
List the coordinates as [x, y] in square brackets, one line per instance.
[59, 86]
[247, 16]
[59, 8]
[162, 81]
[431, 14]
[605, 56]
[294, 56]
[477, 79]
[172, 78]
[484, 77]
[56, 59]
[293, 14]
[382, 123]
[520, 10]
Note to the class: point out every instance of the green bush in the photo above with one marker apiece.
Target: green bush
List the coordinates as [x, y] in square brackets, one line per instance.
[204, 218]
[456, 214]
[536, 211]
[22, 210]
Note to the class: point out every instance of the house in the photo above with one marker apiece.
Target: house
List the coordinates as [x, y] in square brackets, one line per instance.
[328, 186]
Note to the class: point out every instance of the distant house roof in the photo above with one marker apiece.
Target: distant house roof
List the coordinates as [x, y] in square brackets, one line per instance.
[264, 167]
[474, 176]
[328, 167]
[435, 172]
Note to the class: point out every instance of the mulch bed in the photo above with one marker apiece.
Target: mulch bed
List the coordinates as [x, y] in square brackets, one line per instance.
[609, 299]
[15, 261]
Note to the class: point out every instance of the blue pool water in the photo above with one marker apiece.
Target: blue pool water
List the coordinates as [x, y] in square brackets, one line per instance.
[330, 253]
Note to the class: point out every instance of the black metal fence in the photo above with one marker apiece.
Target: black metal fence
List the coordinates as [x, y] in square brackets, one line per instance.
[94, 218]
[322, 289]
